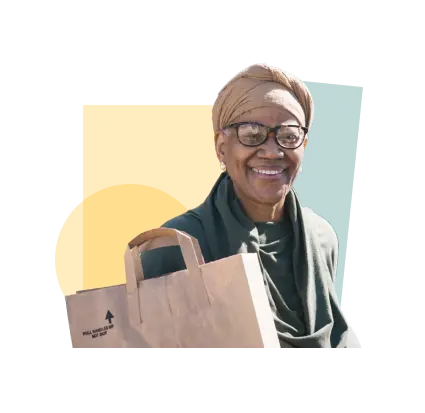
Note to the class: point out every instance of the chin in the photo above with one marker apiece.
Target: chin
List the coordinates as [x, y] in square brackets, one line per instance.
[271, 198]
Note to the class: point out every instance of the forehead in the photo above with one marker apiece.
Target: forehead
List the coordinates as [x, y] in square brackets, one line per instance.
[269, 116]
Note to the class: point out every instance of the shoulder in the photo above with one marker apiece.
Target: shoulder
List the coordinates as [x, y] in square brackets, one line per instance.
[170, 259]
[324, 231]
[326, 237]
[189, 222]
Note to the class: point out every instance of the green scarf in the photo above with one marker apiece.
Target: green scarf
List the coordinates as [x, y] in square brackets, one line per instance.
[314, 318]
[297, 257]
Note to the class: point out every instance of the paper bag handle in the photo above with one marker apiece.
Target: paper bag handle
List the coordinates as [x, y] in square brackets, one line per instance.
[163, 237]
[157, 238]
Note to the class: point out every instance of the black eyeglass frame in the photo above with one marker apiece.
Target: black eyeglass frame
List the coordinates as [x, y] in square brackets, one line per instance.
[275, 130]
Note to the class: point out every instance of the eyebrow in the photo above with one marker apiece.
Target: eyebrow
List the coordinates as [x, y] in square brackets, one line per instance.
[292, 123]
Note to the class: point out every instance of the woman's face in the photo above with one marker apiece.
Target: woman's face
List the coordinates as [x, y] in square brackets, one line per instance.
[244, 163]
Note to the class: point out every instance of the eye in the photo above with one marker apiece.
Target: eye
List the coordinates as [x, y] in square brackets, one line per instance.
[249, 129]
[289, 141]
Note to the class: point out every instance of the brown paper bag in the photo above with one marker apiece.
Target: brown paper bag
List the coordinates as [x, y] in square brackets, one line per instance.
[219, 304]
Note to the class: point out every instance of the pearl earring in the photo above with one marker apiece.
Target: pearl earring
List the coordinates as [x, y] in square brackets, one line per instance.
[222, 166]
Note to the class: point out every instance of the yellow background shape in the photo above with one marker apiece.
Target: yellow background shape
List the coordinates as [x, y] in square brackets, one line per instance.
[142, 165]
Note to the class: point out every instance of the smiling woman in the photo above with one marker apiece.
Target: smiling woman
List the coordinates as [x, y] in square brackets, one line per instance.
[261, 120]
[253, 152]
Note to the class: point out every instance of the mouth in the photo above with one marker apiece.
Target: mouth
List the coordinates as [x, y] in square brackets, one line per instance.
[268, 173]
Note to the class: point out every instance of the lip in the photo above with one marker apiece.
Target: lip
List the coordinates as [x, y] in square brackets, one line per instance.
[268, 168]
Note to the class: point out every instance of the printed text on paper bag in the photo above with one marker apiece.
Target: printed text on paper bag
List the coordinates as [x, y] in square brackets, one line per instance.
[102, 331]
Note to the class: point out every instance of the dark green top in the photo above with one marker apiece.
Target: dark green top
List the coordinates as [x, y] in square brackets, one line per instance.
[297, 257]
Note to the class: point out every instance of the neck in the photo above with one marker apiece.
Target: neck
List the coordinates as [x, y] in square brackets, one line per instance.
[260, 212]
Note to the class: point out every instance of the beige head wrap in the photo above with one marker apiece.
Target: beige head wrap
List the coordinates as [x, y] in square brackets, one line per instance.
[262, 86]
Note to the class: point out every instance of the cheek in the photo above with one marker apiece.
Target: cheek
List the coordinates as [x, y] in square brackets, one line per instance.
[237, 158]
[296, 156]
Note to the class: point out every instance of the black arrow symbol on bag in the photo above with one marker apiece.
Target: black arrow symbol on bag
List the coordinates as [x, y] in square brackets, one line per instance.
[109, 316]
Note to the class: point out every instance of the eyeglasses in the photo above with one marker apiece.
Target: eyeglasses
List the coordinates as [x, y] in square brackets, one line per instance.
[255, 134]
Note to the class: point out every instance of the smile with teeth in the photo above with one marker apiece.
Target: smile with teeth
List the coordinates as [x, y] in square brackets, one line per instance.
[267, 171]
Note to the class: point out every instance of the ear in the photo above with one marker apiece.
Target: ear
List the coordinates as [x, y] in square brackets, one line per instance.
[220, 145]
[305, 141]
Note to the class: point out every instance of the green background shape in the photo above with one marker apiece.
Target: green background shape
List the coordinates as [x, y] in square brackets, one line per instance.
[326, 182]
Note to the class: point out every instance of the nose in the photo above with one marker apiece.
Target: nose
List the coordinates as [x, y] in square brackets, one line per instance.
[270, 149]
